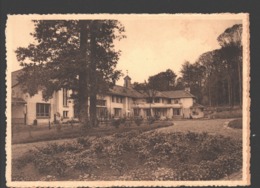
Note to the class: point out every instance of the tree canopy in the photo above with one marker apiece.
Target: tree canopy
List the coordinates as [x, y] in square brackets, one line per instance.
[72, 54]
[163, 81]
[216, 77]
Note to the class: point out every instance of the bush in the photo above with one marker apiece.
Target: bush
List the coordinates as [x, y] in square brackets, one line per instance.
[236, 124]
[151, 120]
[86, 164]
[138, 121]
[24, 160]
[116, 122]
[123, 120]
[85, 142]
[141, 156]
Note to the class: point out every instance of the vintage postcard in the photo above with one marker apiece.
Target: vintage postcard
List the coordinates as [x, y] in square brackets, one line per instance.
[102, 100]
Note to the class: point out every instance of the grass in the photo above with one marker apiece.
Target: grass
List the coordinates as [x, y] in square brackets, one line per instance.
[211, 126]
[31, 134]
[236, 124]
[224, 114]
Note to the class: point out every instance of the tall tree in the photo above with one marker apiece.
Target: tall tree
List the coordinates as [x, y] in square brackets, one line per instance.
[222, 78]
[192, 76]
[179, 84]
[163, 81]
[72, 54]
[231, 42]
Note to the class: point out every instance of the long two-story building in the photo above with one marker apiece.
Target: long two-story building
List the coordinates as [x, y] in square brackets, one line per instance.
[119, 101]
[126, 101]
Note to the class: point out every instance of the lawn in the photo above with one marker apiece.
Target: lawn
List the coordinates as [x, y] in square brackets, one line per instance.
[188, 150]
[30, 134]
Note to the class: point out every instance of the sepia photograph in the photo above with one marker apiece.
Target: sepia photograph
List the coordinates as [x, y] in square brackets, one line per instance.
[105, 100]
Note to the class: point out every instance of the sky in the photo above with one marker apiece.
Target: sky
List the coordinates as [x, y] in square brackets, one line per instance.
[152, 45]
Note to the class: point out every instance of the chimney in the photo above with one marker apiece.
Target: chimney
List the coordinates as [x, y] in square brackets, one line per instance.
[187, 89]
[127, 83]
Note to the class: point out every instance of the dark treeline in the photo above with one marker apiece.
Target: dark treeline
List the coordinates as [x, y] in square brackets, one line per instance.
[215, 78]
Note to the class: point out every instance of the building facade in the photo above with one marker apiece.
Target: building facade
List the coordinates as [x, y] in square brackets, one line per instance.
[30, 110]
[124, 101]
[119, 101]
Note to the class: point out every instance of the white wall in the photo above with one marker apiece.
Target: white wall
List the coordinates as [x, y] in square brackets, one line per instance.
[31, 108]
[186, 102]
[55, 102]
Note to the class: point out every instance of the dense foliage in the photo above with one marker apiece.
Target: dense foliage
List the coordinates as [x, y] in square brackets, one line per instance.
[216, 77]
[72, 54]
[139, 156]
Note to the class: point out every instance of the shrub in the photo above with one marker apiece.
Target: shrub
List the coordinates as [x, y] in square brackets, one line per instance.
[86, 164]
[123, 120]
[236, 124]
[116, 122]
[151, 120]
[85, 142]
[24, 160]
[142, 156]
[138, 121]
[97, 147]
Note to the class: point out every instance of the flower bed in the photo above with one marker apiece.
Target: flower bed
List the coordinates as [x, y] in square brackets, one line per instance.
[137, 155]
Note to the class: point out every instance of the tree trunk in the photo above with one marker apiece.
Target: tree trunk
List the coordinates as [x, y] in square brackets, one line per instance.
[84, 76]
[93, 80]
[83, 99]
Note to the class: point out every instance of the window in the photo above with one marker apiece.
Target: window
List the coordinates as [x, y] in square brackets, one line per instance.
[65, 114]
[157, 100]
[176, 101]
[101, 102]
[176, 112]
[136, 112]
[65, 97]
[149, 100]
[148, 112]
[42, 110]
[117, 112]
[117, 99]
[169, 101]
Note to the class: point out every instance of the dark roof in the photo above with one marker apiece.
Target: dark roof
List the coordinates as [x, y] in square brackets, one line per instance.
[129, 92]
[178, 94]
[196, 105]
[15, 75]
[124, 91]
[156, 94]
